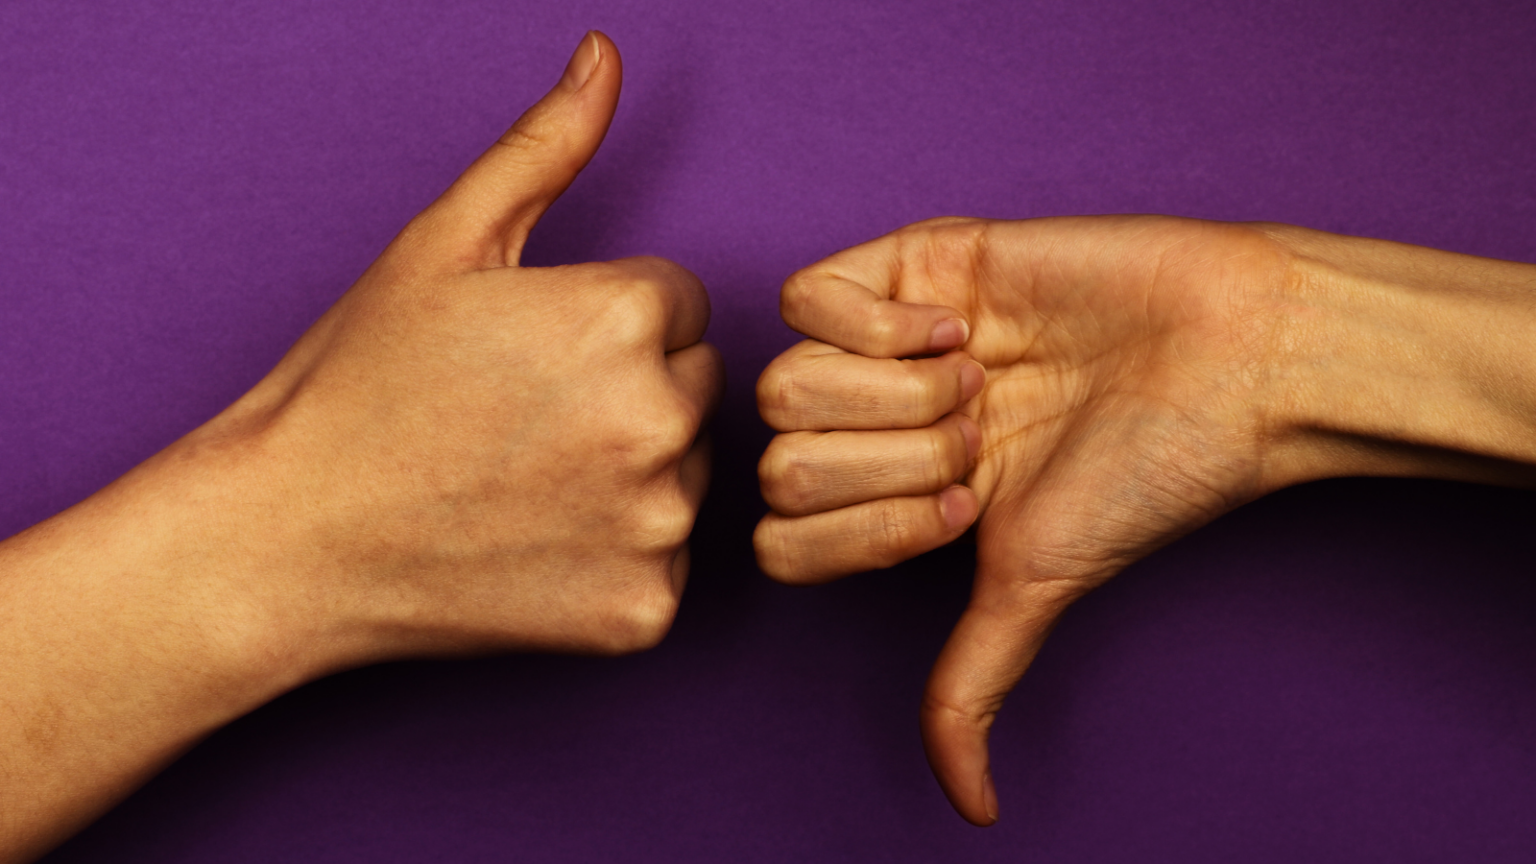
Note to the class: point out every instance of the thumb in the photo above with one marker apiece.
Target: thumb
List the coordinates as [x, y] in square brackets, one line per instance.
[485, 216]
[999, 634]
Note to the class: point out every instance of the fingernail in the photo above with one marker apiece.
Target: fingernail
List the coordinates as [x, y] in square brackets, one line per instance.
[949, 333]
[958, 507]
[582, 62]
[989, 794]
[972, 435]
[972, 378]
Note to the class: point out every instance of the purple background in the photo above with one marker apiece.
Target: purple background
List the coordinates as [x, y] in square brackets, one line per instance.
[1341, 672]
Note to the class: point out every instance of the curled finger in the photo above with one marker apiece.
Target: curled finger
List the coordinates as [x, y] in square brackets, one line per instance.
[814, 386]
[868, 536]
[809, 472]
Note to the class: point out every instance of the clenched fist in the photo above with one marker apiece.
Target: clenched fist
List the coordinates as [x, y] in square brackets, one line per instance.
[500, 457]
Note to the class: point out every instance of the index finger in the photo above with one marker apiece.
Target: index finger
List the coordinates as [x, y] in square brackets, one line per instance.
[667, 293]
[846, 300]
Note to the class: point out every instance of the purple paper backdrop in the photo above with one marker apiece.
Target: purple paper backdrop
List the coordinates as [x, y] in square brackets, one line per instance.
[1342, 672]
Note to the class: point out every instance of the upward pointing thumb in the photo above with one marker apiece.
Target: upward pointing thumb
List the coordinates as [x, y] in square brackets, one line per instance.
[488, 212]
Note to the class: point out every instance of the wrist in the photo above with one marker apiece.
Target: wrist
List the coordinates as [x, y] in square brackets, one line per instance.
[1395, 360]
[139, 621]
[197, 550]
[252, 544]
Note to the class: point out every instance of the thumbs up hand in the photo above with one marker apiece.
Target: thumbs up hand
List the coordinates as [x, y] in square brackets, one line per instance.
[461, 456]
[491, 456]
[1100, 385]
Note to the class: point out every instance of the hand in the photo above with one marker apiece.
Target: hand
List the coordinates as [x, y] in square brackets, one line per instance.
[461, 456]
[500, 457]
[1128, 399]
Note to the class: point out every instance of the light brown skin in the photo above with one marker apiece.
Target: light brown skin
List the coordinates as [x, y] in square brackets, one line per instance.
[461, 456]
[1143, 376]
[466, 456]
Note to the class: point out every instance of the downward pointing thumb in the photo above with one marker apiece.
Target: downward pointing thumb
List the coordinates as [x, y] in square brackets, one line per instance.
[1010, 615]
[487, 213]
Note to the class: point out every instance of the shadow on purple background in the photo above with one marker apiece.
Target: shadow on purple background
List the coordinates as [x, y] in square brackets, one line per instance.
[1339, 672]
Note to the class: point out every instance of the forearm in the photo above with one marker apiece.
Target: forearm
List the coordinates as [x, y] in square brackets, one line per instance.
[132, 625]
[1400, 360]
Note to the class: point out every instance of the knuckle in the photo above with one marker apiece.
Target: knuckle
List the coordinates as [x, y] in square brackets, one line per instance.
[783, 475]
[770, 386]
[641, 618]
[623, 325]
[950, 237]
[957, 450]
[525, 138]
[774, 557]
[921, 394]
[947, 244]
[658, 438]
[940, 467]
[664, 526]
[927, 383]
[958, 235]
[773, 468]
[894, 531]
[669, 285]
[673, 432]
[795, 297]
[631, 315]
[974, 715]
[935, 222]
[883, 330]
[779, 390]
